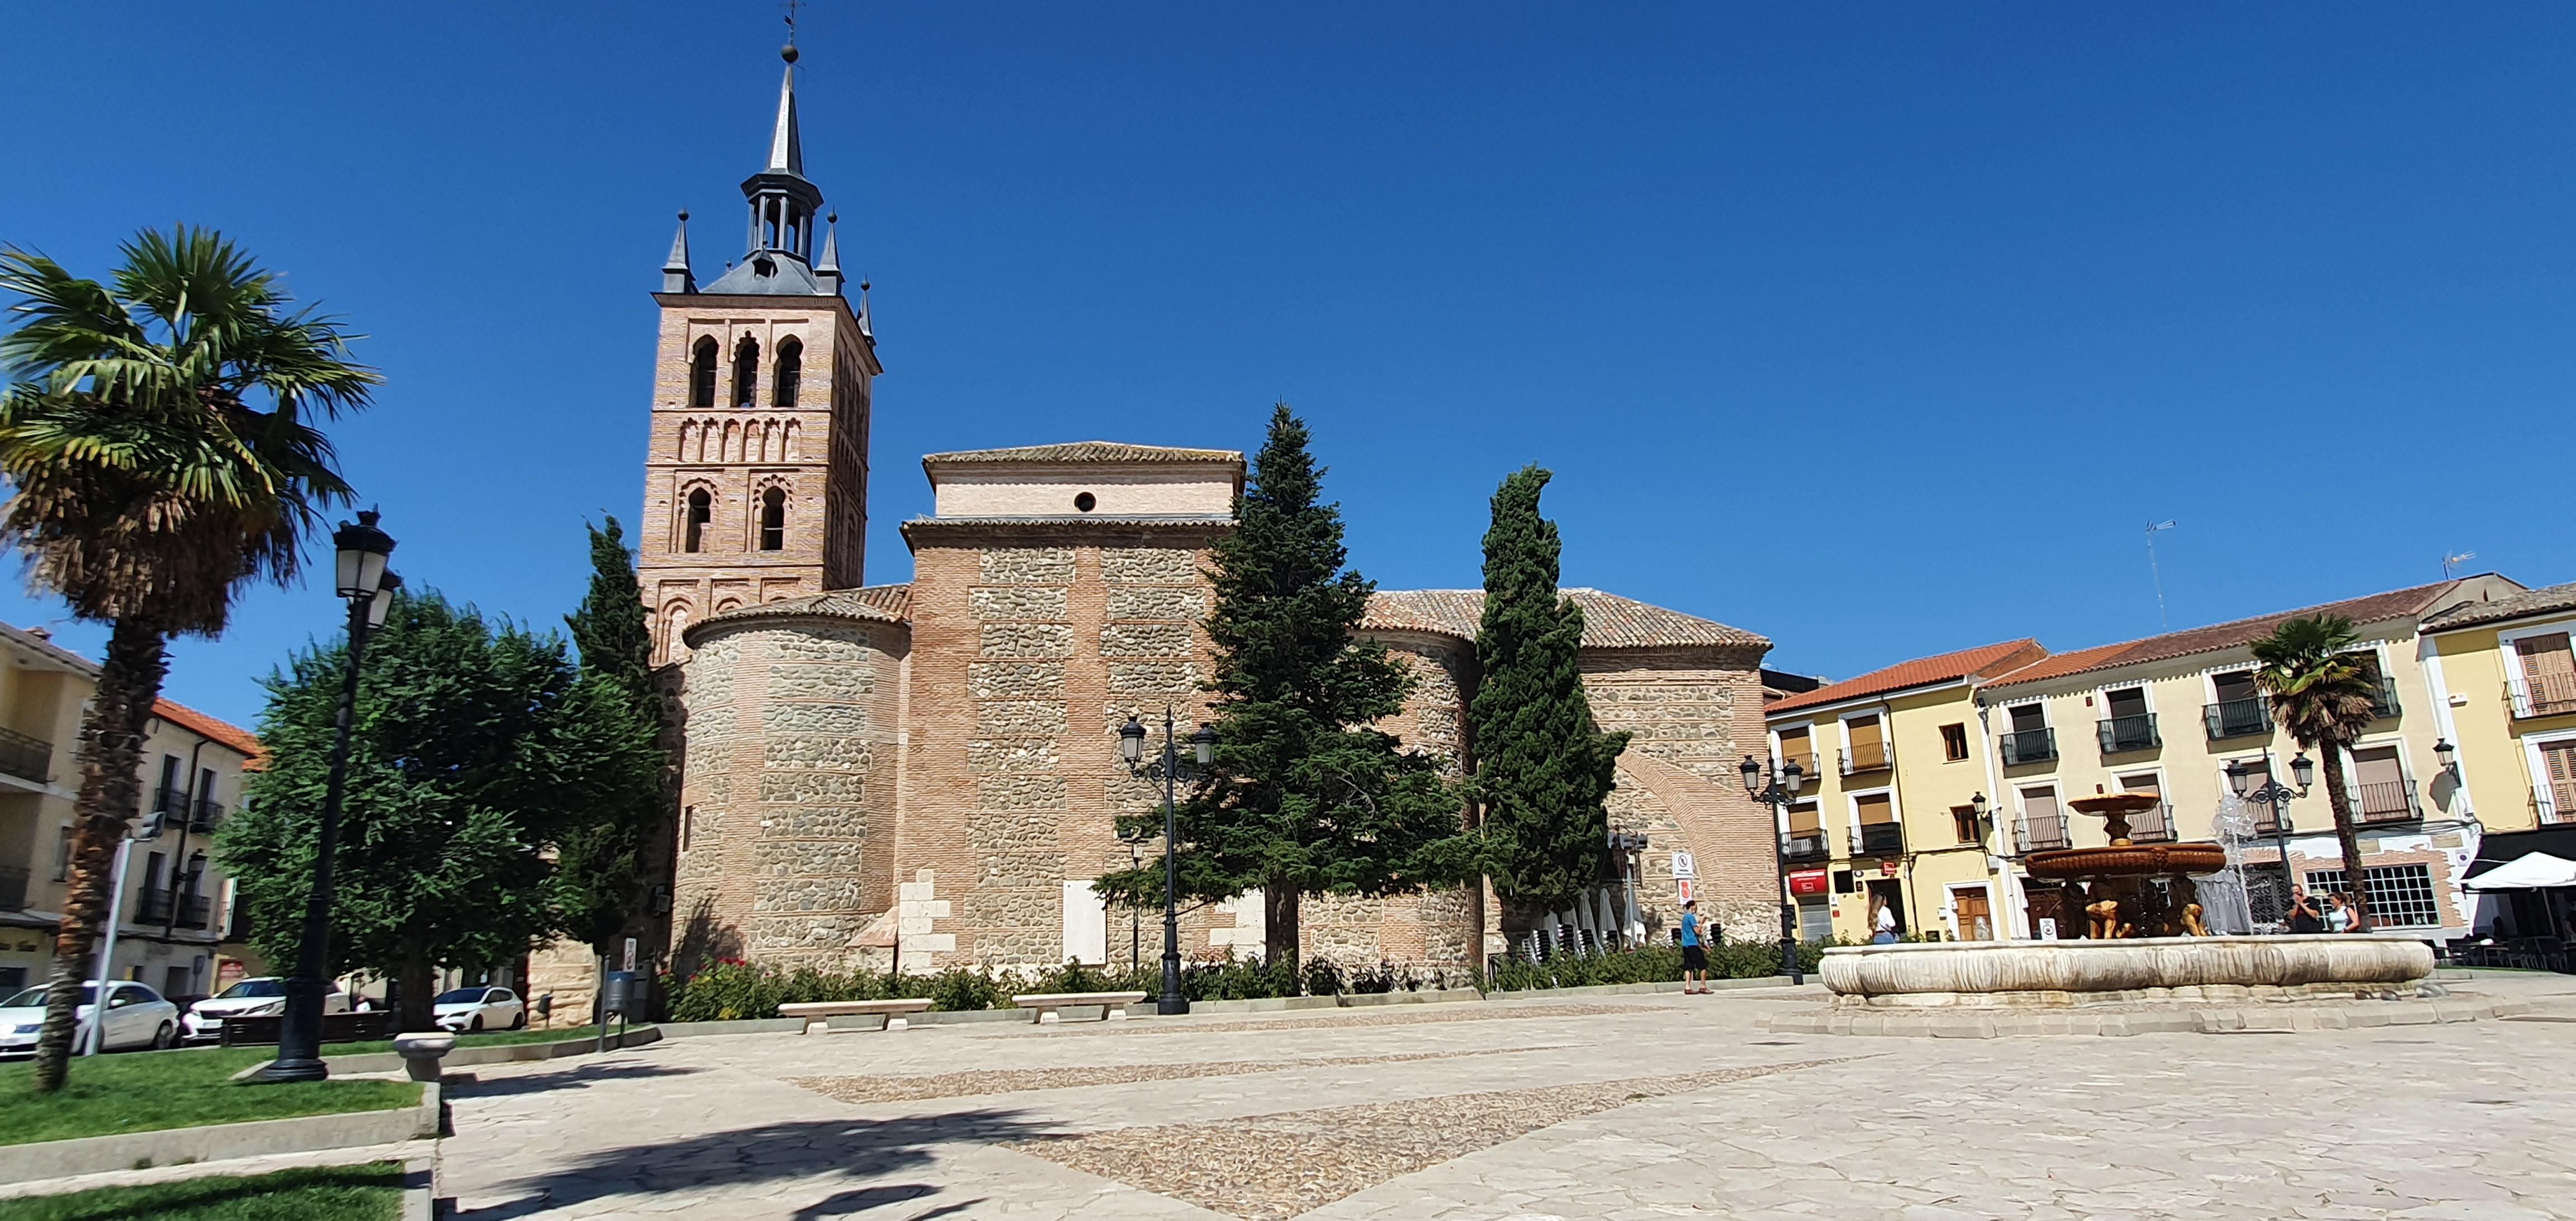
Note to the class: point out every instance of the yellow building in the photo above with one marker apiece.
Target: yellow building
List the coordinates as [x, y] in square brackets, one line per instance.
[176, 907]
[1891, 810]
[2503, 674]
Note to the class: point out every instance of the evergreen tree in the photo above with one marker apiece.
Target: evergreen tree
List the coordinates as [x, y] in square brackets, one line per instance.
[473, 749]
[1306, 796]
[611, 863]
[1542, 768]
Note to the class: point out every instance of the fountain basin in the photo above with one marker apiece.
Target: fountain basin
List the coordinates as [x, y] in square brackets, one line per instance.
[2056, 974]
[2128, 860]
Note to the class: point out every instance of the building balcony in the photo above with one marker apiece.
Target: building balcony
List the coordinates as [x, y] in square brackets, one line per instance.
[1882, 839]
[2152, 826]
[2243, 718]
[1805, 846]
[2386, 801]
[2040, 834]
[1806, 761]
[13, 888]
[204, 814]
[2549, 808]
[1867, 759]
[2384, 705]
[2541, 695]
[2029, 746]
[25, 757]
[2125, 733]
[181, 911]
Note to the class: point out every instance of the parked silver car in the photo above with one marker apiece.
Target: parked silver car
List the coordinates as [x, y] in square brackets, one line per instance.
[136, 1017]
[264, 996]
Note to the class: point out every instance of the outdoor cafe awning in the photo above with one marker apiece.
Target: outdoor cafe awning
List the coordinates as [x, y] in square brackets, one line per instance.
[2531, 871]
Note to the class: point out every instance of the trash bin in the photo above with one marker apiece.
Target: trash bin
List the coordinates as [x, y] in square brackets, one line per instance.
[622, 991]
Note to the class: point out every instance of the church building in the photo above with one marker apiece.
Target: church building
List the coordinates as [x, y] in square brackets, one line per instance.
[928, 773]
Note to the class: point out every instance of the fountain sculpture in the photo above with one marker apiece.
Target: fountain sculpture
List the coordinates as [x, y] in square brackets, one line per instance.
[2128, 889]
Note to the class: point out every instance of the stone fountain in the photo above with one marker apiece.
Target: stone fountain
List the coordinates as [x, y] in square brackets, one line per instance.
[2132, 936]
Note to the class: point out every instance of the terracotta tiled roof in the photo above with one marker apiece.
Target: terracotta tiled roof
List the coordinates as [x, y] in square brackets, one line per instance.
[2374, 608]
[1920, 672]
[2545, 600]
[1609, 621]
[882, 603]
[213, 729]
[1086, 451]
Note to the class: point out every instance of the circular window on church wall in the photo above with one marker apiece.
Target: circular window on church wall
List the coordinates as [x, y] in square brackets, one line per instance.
[1085, 501]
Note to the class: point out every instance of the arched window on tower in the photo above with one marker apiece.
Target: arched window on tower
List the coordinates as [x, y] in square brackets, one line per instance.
[702, 374]
[746, 373]
[791, 362]
[773, 520]
[694, 519]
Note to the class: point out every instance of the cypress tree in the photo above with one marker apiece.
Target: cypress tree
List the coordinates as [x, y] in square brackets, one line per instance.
[1543, 769]
[609, 865]
[1306, 796]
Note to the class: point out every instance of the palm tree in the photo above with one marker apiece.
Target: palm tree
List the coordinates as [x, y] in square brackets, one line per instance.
[2324, 692]
[158, 438]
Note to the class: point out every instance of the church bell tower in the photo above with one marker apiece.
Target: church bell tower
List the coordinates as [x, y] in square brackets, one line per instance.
[755, 485]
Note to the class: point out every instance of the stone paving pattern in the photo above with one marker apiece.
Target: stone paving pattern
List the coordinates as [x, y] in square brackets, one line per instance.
[1657, 1106]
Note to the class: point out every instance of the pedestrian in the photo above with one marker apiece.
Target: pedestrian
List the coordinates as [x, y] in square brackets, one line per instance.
[1694, 954]
[2303, 912]
[2338, 916]
[1882, 921]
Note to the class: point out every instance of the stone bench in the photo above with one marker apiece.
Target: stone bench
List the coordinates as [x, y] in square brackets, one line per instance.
[817, 1014]
[1113, 1005]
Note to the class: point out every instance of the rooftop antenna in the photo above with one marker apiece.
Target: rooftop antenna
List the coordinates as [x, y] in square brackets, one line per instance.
[2451, 562]
[2162, 624]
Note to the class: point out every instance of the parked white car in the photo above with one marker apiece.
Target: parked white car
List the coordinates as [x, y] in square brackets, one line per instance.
[264, 996]
[136, 1017]
[479, 1008]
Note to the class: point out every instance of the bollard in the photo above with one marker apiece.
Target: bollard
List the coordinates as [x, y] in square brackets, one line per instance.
[422, 1052]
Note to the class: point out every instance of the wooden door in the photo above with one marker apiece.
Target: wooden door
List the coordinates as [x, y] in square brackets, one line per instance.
[1976, 917]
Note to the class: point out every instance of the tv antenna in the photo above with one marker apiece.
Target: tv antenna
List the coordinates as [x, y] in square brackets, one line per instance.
[2451, 562]
[2162, 624]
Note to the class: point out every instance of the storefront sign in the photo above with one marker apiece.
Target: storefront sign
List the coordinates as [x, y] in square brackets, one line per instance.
[1807, 882]
[1887, 869]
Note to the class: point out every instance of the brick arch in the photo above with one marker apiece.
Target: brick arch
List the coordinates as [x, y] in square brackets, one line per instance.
[1723, 831]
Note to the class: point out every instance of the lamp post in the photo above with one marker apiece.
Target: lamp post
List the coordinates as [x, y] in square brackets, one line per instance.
[1131, 747]
[1627, 844]
[2272, 793]
[369, 590]
[1776, 788]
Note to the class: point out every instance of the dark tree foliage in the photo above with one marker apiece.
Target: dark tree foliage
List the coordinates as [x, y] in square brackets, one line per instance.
[474, 748]
[611, 861]
[1306, 795]
[1543, 769]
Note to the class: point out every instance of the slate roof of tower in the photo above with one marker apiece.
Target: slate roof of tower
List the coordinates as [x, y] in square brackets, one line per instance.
[2542, 601]
[1087, 451]
[1609, 621]
[1919, 672]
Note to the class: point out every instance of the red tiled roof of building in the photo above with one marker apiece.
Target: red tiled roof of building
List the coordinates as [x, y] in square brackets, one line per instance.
[2237, 633]
[1920, 672]
[1609, 621]
[213, 729]
[883, 603]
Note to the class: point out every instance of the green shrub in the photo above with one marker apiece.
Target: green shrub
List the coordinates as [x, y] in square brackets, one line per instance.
[1644, 965]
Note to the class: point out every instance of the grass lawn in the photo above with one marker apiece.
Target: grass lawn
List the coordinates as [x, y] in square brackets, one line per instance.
[148, 1091]
[319, 1193]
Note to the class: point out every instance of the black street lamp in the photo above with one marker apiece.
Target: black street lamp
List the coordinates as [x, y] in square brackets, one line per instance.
[2272, 793]
[1131, 747]
[1776, 788]
[369, 590]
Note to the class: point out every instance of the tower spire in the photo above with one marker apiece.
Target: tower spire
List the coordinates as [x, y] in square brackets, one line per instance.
[786, 150]
[676, 276]
[784, 213]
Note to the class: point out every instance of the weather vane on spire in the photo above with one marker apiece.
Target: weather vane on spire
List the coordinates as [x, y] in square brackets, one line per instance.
[788, 52]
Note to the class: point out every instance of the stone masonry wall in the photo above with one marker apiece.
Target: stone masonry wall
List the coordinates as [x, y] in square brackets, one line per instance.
[1698, 711]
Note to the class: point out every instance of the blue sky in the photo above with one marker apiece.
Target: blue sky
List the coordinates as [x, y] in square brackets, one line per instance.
[1881, 330]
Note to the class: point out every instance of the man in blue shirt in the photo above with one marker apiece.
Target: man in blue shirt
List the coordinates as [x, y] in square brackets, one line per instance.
[1694, 954]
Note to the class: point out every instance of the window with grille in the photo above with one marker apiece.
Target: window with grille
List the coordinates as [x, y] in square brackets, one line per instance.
[2399, 895]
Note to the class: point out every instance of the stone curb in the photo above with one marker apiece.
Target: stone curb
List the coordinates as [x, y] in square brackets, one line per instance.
[54, 1159]
[500, 1053]
[2262, 1019]
[1673, 987]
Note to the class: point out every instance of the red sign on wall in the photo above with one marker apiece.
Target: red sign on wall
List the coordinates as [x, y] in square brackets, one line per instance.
[1807, 882]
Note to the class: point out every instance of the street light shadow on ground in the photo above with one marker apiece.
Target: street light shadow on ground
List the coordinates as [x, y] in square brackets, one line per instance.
[861, 1200]
[856, 1147]
[579, 1078]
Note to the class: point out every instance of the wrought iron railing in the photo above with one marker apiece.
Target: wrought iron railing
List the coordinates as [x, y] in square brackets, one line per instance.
[2534, 695]
[2555, 806]
[1806, 761]
[25, 757]
[2237, 718]
[1860, 759]
[2152, 826]
[13, 888]
[2121, 733]
[2040, 834]
[2029, 746]
[2385, 801]
[183, 910]
[2384, 705]
[1882, 839]
[1806, 846]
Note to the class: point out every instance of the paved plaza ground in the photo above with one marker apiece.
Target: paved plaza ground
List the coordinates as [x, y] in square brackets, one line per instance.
[1627, 1107]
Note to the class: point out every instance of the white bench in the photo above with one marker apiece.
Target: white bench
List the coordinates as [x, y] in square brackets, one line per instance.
[1113, 1004]
[817, 1014]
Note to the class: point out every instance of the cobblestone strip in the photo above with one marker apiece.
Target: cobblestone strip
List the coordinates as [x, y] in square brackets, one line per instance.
[1271, 1167]
[864, 1090]
[1465, 1011]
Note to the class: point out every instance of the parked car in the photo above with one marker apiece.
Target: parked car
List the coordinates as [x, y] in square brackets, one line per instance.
[136, 1017]
[479, 1008]
[264, 996]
